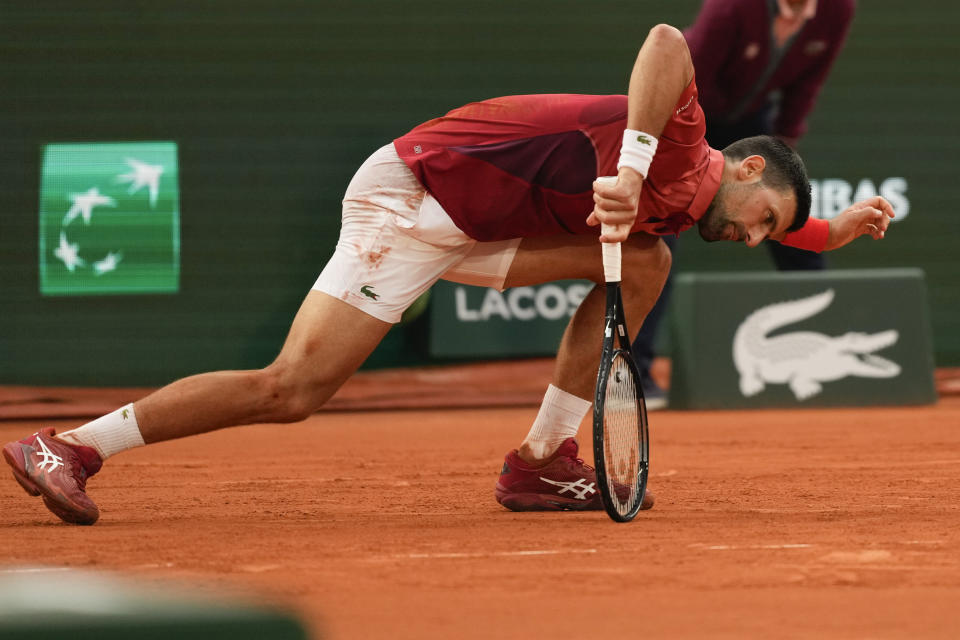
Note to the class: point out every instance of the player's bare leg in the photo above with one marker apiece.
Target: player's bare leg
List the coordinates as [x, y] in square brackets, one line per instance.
[646, 262]
[546, 472]
[327, 343]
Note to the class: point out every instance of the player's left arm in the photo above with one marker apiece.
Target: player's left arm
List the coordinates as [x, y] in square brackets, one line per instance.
[660, 75]
[867, 217]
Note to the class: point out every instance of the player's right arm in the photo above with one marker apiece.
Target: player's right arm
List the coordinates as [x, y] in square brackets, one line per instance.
[661, 73]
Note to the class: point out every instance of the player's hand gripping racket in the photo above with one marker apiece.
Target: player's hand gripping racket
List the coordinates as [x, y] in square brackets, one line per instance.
[620, 443]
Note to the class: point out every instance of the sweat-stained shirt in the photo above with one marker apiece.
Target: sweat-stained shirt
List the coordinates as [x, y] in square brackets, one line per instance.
[741, 67]
[524, 166]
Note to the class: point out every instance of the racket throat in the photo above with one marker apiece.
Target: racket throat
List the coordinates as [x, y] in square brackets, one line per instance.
[615, 324]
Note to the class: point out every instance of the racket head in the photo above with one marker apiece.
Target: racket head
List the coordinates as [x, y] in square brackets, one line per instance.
[621, 447]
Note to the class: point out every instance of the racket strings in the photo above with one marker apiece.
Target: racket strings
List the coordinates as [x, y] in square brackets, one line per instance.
[621, 430]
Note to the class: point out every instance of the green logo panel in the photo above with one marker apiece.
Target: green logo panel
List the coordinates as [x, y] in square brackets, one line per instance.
[801, 339]
[109, 219]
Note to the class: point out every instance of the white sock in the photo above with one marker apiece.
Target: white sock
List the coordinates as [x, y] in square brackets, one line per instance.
[109, 435]
[559, 418]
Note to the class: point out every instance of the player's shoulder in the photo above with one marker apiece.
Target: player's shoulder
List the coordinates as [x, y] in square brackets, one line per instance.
[535, 99]
[571, 101]
[550, 110]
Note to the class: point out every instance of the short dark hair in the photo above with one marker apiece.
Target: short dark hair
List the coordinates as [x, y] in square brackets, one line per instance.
[784, 170]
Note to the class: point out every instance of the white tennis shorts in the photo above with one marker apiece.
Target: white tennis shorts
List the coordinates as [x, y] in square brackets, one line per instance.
[396, 241]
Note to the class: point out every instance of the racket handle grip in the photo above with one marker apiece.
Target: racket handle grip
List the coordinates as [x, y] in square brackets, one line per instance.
[611, 257]
[611, 250]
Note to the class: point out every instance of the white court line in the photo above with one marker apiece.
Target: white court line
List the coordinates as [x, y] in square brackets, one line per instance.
[888, 465]
[35, 569]
[495, 554]
[731, 547]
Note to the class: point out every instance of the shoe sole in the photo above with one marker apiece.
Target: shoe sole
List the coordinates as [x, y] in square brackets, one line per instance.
[52, 501]
[538, 502]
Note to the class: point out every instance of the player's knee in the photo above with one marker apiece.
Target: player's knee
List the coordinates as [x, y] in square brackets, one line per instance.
[647, 256]
[286, 396]
[662, 259]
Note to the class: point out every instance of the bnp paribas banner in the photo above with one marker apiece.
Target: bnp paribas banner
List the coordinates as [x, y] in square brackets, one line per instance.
[801, 339]
[109, 218]
[524, 321]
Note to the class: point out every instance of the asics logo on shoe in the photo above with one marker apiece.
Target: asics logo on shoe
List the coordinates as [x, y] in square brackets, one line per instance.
[49, 457]
[580, 489]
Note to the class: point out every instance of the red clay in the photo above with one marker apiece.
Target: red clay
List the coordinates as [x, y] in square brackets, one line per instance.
[801, 524]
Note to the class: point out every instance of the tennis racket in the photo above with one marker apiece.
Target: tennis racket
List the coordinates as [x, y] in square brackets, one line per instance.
[621, 448]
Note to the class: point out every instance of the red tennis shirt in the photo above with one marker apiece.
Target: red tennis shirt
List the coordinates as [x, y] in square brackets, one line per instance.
[524, 166]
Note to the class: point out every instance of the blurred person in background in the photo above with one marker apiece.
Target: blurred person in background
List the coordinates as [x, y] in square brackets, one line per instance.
[760, 65]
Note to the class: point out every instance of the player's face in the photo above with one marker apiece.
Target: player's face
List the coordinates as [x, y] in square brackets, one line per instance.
[748, 212]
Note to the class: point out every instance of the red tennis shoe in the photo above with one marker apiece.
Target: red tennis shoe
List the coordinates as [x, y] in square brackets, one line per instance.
[564, 482]
[58, 471]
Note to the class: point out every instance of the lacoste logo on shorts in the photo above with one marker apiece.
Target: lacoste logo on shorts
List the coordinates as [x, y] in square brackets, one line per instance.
[367, 290]
[580, 489]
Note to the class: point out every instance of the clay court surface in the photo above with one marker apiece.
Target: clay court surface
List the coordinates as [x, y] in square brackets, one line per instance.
[382, 524]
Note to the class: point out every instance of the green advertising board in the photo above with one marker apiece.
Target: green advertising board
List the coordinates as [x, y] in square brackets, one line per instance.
[274, 106]
[109, 219]
[470, 321]
[801, 339]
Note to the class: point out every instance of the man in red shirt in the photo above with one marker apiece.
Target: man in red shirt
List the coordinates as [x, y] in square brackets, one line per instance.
[500, 192]
[763, 63]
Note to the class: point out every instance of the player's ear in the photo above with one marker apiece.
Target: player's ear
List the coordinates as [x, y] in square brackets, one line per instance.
[751, 168]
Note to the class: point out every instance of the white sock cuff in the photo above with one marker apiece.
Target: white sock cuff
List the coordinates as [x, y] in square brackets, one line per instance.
[560, 416]
[110, 434]
[566, 401]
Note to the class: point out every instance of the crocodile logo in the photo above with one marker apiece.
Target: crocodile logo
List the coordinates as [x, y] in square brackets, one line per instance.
[367, 290]
[642, 139]
[805, 359]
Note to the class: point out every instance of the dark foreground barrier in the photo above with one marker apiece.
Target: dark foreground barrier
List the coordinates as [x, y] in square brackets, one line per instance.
[42, 603]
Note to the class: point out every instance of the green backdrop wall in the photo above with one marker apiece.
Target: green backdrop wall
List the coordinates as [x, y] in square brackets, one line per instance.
[273, 105]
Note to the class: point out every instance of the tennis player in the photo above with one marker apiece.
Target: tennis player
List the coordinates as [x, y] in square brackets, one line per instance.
[760, 66]
[499, 193]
